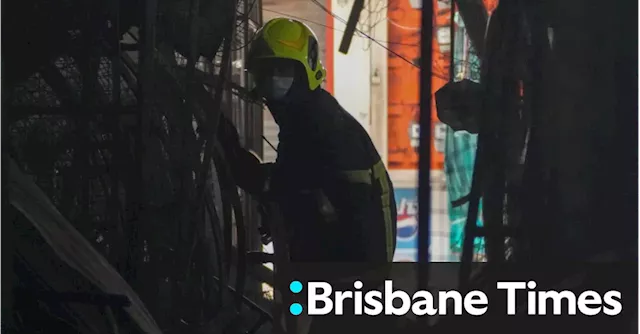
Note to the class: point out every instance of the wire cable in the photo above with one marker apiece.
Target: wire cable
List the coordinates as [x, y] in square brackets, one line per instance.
[401, 26]
[246, 20]
[364, 35]
[325, 9]
[360, 32]
[268, 142]
[327, 26]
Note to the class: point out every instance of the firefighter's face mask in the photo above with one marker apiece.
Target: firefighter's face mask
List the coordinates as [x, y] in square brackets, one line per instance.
[274, 79]
[278, 87]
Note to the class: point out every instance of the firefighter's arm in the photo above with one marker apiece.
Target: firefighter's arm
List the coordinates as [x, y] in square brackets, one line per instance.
[357, 202]
[360, 191]
[370, 251]
[248, 171]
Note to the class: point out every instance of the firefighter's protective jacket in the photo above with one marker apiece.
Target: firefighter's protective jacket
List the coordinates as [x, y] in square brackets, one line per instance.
[329, 181]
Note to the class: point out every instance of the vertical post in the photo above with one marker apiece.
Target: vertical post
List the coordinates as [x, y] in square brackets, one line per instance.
[452, 40]
[115, 60]
[116, 70]
[254, 111]
[145, 82]
[252, 124]
[284, 322]
[424, 183]
[379, 90]
[88, 61]
[471, 225]
[6, 226]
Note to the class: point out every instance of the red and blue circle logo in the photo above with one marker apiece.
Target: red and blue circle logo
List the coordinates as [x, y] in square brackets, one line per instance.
[407, 227]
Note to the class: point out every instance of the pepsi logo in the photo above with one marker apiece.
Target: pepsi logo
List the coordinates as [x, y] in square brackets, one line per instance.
[405, 255]
[407, 227]
[407, 219]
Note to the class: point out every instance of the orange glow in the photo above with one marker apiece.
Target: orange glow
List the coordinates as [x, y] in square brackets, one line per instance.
[328, 57]
[404, 83]
[490, 5]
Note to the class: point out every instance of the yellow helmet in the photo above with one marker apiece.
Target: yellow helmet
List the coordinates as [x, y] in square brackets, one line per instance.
[289, 39]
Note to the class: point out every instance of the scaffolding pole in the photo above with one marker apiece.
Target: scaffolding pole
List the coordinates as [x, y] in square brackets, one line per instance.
[424, 172]
[6, 225]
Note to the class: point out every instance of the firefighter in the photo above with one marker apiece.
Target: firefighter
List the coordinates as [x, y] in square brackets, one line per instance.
[332, 188]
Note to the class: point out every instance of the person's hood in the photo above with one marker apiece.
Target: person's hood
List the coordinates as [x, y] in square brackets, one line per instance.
[294, 105]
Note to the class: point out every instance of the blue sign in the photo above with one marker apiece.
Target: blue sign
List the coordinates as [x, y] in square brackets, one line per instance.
[406, 255]
[407, 206]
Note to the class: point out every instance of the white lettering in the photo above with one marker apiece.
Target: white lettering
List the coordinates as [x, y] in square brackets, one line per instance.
[473, 299]
[589, 298]
[613, 299]
[442, 302]
[414, 131]
[314, 297]
[357, 300]
[374, 300]
[341, 296]
[423, 304]
[390, 295]
[557, 298]
[322, 300]
[511, 288]
[531, 298]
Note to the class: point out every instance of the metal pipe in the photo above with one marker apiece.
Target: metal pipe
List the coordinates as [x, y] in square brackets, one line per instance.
[145, 86]
[424, 172]
[6, 226]
[350, 27]
[116, 61]
[452, 40]
[252, 125]
[471, 225]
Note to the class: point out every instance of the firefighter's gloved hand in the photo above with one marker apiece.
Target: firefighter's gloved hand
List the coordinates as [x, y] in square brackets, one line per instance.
[245, 165]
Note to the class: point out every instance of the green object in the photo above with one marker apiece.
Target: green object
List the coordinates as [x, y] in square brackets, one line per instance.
[460, 153]
[286, 38]
[460, 149]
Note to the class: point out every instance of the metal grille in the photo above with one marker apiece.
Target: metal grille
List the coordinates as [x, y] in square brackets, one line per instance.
[118, 133]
